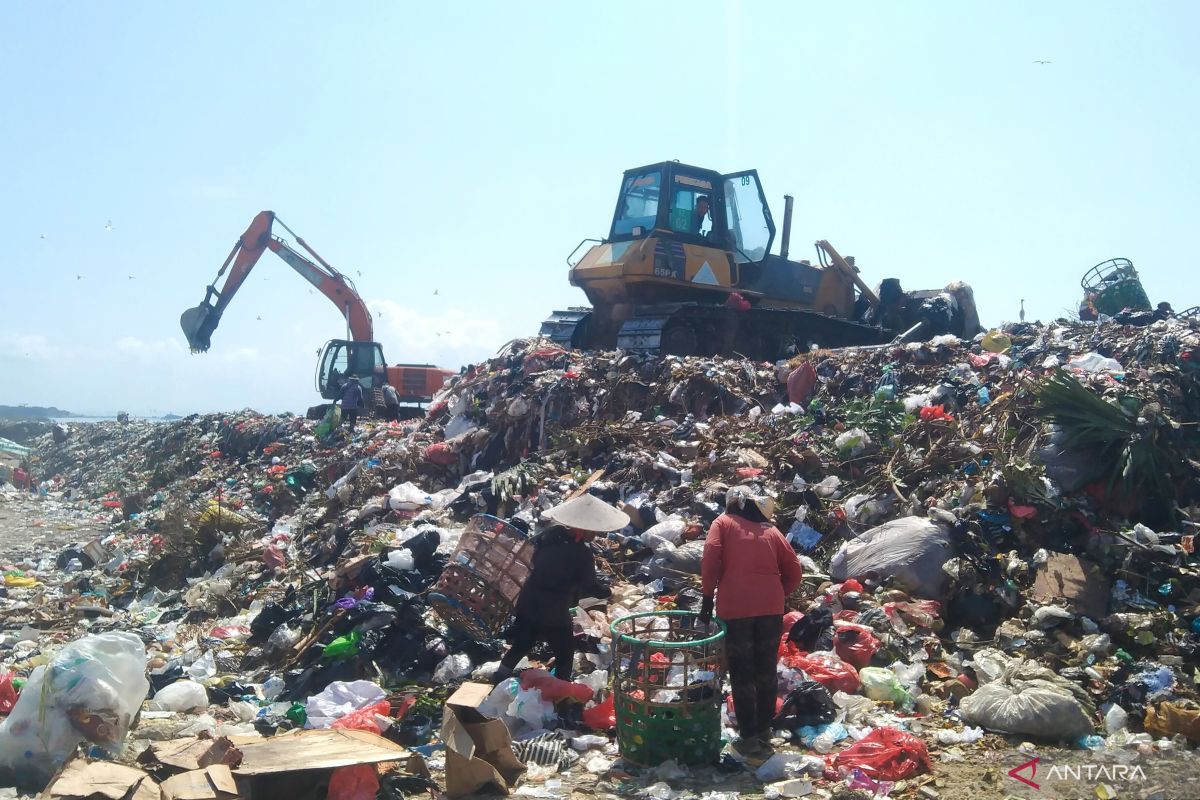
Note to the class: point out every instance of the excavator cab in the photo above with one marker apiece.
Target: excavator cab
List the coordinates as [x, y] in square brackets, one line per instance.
[340, 358]
[691, 205]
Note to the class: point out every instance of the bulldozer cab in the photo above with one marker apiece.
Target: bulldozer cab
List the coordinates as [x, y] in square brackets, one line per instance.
[340, 358]
[697, 206]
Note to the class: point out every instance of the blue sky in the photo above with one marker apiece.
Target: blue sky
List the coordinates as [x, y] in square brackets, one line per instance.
[466, 148]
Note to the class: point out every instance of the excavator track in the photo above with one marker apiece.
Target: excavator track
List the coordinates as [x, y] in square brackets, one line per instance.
[706, 329]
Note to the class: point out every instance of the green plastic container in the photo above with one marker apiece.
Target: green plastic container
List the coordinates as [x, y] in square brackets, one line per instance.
[667, 688]
[1114, 286]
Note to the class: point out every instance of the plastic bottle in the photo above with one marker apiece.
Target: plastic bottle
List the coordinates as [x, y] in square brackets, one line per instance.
[984, 397]
[1115, 720]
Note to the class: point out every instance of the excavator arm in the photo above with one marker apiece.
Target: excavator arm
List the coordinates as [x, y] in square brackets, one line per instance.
[198, 323]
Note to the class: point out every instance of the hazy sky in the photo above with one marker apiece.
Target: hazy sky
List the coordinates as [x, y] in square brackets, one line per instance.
[467, 147]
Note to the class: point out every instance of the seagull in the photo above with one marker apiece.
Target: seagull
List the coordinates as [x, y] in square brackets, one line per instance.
[260, 319]
[108, 226]
[359, 271]
[131, 277]
[1022, 310]
[435, 291]
[78, 277]
[1043, 62]
[43, 236]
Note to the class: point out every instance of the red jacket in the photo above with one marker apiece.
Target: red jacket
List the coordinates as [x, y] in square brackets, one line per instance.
[750, 566]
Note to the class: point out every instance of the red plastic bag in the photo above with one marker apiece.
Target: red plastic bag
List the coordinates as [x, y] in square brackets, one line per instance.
[359, 781]
[828, 670]
[854, 644]
[602, 716]
[921, 613]
[552, 688]
[801, 382]
[364, 718]
[8, 693]
[886, 754]
[440, 453]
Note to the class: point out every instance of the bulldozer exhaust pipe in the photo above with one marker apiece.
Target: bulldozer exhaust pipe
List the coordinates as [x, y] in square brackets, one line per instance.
[786, 238]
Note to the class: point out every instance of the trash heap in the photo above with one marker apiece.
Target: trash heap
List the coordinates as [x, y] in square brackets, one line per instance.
[998, 540]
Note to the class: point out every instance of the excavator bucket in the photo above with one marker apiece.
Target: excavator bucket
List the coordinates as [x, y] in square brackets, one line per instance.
[198, 324]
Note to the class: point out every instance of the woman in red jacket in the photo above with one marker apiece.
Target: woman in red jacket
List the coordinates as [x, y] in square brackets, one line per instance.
[751, 569]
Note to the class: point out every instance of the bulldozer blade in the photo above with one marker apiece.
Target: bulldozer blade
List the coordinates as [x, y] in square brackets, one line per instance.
[198, 324]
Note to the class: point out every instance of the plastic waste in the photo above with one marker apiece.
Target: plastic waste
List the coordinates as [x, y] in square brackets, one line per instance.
[401, 560]
[777, 767]
[602, 716]
[8, 693]
[339, 699]
[854, 441]
[1094, 362]
[879, 683]
[1115, 719]
[828, 670]
[807, 704]
[203, 668]
[342, 647]
[822, 738]
[855, 644]
[912, 549]
[180, 696]
[803, 535]
[995, 341]
[1037, 708]
[407, 497]
[89, 691]
[886, 754]
[452, 667]
[552, 688]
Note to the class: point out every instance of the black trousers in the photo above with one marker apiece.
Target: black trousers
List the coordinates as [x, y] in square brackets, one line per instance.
[526, 633]
[752, 652]
[350, 417]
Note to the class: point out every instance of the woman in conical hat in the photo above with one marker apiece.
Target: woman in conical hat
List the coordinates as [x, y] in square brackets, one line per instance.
[564, 569]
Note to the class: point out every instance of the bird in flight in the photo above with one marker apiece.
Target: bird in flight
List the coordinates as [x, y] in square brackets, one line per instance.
[260, 318]
[435, 291]
[108, 225]
[78, 277]
[43, 236]
[359, 271]
[131, 277]
[1043, 62]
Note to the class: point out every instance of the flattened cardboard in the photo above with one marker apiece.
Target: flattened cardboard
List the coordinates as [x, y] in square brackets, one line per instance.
[80, 779]
[478, 748]
[193, 753]
[323, 749]
[214, 782]
[1073, 582]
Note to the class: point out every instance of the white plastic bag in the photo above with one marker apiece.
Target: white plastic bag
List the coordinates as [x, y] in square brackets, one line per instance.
[339, 699]
[1094, 362]
[1037, 708]
[452, 667]
[180, 696]
[671, 529]
[855, 441]
[99, 681]
[407, 497]
[911, 549]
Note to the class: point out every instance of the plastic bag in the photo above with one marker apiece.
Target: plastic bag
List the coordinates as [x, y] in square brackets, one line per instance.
[886, 754]
[552, 688]
[407, 497]
[855, 441]
[357, 781]
[854, 644]
[602, 716]
[828, 670]
[8, 693]
[452, 667]
[671, 529]
[339, 699]
[180, 696]
[882, 684]
[529, 707]
[90, 691]
[808, 704]
[911, 549]
[1038, 708]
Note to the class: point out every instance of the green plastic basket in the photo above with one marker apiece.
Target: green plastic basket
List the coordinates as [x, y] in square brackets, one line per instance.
[667, 688]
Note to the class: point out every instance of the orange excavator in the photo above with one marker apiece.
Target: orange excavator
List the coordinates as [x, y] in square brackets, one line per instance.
[358, 356]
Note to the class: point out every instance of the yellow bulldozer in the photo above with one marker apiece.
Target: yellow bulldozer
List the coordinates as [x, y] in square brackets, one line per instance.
[687, 269]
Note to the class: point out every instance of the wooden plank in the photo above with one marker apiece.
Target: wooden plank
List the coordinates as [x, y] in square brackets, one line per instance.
[325, 749]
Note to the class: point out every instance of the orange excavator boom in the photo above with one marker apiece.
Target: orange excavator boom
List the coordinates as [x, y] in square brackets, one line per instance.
[198, 323]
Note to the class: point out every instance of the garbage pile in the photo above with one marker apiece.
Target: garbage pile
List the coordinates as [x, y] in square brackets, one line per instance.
[997, 535]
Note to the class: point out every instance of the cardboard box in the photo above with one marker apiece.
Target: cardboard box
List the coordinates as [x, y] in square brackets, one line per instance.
[479, 751]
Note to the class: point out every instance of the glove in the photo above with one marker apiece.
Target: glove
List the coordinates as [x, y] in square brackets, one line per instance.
[706, 611]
